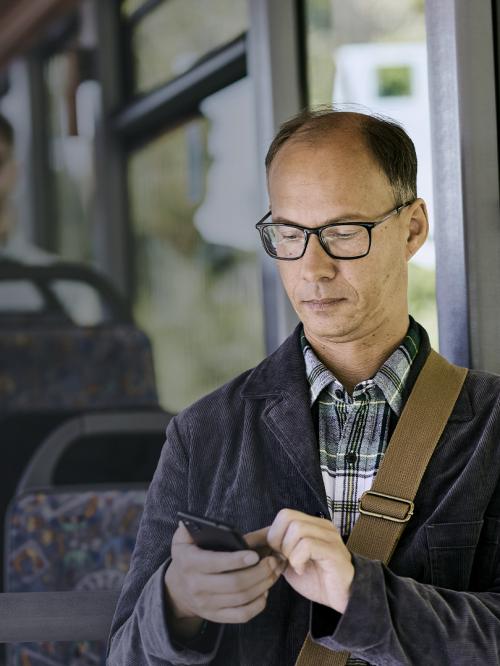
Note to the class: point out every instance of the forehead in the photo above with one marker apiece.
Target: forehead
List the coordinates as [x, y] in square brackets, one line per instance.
[339, 168]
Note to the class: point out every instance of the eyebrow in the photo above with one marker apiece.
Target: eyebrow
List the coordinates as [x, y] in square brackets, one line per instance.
[354, 217]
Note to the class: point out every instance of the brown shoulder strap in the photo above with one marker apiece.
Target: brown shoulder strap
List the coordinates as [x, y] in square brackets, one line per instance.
[386, 508]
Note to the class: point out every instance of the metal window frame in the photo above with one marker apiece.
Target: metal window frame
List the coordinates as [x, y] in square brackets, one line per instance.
[276, 69]
[462, 79]
[146, 116]
[142, 11]
[44, 218]
[112, 243]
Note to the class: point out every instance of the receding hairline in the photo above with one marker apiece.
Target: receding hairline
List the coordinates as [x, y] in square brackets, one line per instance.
[324, 126]
[324, 137]
[382, 138]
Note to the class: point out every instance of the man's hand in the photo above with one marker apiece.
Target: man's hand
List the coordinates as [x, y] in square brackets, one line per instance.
[319, 564]
[219, 586]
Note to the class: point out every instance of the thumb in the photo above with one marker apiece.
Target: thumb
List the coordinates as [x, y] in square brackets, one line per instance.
[257, 541]
[181, 535]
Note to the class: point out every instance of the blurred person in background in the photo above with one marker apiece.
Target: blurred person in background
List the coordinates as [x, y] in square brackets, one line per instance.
[79, 300]
[13, 241]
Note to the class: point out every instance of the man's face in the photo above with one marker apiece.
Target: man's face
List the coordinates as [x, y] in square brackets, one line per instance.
[313, 184]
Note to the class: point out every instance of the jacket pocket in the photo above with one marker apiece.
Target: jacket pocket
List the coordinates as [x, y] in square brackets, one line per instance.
[487, 554]
[452, 548]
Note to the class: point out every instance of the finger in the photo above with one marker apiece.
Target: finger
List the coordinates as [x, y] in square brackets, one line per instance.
[266, 572]
[257, 537]
[211, 561]
[244, 597]
[310, 549]
[208, 602]
[298, 530]
[280, 523]
[283, 519]
[241, 614]
[181, 535]
[257, 540]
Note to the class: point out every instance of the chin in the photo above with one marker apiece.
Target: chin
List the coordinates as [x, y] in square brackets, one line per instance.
[329, 327]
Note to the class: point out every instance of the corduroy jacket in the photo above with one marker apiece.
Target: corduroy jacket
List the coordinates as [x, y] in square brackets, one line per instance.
[249, 449]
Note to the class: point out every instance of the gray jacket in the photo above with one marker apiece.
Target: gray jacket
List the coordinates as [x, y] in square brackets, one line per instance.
[248, 450]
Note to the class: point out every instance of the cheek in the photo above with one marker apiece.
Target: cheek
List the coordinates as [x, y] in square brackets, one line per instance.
[288, 277]
[378, 280]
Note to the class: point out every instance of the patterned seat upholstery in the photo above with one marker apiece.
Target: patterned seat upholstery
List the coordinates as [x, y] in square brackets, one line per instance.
[73, 522]
[75, 368]
[61, 539]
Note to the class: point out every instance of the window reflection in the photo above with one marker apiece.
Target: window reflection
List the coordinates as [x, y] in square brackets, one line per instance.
[171, 38]
[193, 201]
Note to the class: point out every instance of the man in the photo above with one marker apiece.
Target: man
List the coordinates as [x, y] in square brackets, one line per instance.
[299, 438]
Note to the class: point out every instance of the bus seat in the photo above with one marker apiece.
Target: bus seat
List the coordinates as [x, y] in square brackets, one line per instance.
[79, 534]
[52, 368]
[75, 368]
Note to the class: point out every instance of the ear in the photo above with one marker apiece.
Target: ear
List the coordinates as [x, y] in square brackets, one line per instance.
[418, 227]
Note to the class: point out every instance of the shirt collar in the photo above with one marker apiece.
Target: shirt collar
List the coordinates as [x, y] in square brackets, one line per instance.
[390, 378]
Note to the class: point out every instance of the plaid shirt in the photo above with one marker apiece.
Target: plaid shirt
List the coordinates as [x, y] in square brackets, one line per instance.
[353, 430]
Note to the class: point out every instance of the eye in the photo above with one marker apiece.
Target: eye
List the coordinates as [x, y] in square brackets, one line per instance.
[289, 235]
[343, 233]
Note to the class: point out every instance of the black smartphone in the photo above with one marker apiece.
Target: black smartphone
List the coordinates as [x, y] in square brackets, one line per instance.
[213, 534]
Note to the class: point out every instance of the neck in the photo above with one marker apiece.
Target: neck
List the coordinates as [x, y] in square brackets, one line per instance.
[357, 360]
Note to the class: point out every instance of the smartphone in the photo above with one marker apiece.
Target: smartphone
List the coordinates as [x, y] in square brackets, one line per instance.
[213, 534]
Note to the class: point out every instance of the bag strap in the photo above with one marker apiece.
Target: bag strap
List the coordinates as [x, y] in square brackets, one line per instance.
[387, 507]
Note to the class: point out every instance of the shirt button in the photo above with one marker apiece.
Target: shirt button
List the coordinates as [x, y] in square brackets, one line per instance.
[339, 394]
[351, 458]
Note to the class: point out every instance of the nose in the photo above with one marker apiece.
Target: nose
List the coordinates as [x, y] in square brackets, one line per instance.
[316, 264]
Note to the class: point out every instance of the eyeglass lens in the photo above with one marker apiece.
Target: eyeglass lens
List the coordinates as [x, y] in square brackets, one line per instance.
[287, 242]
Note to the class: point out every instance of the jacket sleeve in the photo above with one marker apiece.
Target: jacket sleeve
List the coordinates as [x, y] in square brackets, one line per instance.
[139, 634]
[395, 620]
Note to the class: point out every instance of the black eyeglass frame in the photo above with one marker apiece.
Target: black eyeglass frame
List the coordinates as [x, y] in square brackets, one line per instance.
[261, 225]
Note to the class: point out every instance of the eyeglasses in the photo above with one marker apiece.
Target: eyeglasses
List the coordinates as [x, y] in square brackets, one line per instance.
[345, 239]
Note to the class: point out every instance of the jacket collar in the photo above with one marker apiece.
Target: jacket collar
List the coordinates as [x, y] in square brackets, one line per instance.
[283, 373]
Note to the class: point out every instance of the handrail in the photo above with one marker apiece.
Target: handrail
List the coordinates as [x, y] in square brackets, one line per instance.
[56, 616]
[40, 469]
[43, 276]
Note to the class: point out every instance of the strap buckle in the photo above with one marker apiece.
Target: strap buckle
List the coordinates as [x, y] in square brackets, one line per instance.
[394, 519]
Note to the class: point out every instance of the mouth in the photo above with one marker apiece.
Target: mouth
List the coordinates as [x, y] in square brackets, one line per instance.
[323, 300]
[322, 303]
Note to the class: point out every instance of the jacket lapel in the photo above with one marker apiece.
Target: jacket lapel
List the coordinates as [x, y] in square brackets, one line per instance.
[281, 381]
